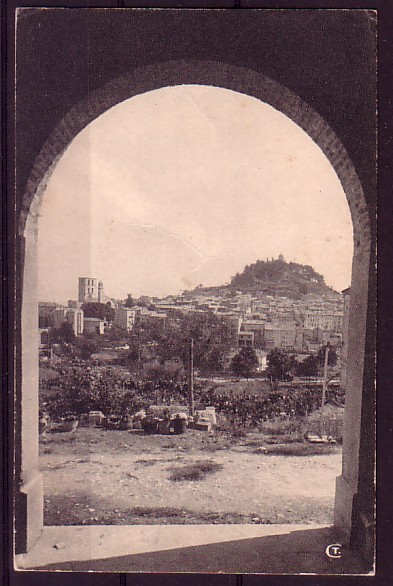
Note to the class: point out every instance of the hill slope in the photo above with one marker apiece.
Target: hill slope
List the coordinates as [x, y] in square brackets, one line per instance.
[276, 277]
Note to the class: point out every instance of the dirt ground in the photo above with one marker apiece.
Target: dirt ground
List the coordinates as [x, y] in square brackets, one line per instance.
[102, 477]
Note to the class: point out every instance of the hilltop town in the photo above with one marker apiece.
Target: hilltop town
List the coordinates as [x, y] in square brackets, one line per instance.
[202, 384]
[254, 307]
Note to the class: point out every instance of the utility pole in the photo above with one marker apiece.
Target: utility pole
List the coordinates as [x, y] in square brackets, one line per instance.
[191, 379]
[50, 350]
[324, 385]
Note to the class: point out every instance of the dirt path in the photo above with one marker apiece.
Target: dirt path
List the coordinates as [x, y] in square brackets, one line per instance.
[98, 477]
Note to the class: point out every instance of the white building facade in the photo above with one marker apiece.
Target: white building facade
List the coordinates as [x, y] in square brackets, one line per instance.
[125, 318]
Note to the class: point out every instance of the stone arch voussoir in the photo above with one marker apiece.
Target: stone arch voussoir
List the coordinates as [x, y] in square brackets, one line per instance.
[212, 73]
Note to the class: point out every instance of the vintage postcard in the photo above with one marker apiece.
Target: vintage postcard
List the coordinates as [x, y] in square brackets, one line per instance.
[195, 304]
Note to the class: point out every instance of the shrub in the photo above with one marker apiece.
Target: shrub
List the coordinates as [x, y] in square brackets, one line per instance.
[332, 425]
[80, 390]
[285, 426]
[87, 346]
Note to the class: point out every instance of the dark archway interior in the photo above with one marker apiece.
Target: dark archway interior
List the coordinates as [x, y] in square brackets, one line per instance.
[327, 58]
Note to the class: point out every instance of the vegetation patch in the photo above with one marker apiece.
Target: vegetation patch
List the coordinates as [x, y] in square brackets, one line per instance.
[194, 472]
[157, 512]
[147, 462]
[285, 427]
[300, 449]
[170, 446]
[80, 509]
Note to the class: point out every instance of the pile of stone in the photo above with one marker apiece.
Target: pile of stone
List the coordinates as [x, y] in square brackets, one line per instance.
[175, 419]
[165, 420]
[161, 419]
[205, 419]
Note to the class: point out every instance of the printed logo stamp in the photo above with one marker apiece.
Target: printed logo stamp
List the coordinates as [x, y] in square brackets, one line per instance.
[334, 550]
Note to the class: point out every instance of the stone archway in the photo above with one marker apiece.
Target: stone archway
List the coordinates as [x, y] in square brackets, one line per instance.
[354, 490]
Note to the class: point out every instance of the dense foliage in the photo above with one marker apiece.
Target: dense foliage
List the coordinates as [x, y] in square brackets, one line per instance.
[332, 356]
[244, 363]
[79, 389]
[212, 338]
[279, 277]
[129, 302]
[279, 365]
[64, 333]
[253, 409]
[98, 310]
[313, 365]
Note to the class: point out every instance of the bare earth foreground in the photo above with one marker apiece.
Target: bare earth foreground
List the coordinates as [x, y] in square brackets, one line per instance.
[96, 477]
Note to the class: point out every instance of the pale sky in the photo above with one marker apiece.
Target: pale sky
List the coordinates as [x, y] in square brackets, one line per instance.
[186, 185]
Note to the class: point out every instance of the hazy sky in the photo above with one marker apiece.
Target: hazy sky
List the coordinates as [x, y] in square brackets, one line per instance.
[185, 185]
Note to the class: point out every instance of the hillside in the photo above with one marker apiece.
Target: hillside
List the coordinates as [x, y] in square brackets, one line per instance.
[277, 277]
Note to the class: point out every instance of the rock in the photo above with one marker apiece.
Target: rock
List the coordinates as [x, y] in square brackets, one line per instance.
[261, 450]
[59, 545]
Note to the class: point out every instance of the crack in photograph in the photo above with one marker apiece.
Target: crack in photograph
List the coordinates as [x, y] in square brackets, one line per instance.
[195, 317]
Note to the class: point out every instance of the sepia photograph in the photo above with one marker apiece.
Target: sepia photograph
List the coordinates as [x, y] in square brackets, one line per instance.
[195, 297]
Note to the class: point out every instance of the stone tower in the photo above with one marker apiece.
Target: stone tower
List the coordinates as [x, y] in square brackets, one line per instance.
[101, 294]
[87, 290]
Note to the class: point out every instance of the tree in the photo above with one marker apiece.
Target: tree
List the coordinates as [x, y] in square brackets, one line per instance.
[64, 333]
[245, 362]
[279, 364]
[212, 337]
[98, 310]
[309, 366]
[170, 340]
[332, 358]
[86, 347]
[170, 372]
[129, 302]
[117, 334]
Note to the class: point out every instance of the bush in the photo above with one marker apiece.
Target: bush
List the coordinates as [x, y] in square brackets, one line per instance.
[80, 390]
[285, 427]
[252, 410]
[332, 425]
[116, 335]
[86, 347]
[171, 371]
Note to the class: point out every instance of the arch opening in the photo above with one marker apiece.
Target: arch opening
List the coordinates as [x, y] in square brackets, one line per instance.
[267, 91]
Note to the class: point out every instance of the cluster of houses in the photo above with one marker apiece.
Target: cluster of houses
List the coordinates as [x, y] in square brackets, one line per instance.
[259, 321]
[90, 290]
[269, 321]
